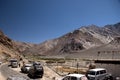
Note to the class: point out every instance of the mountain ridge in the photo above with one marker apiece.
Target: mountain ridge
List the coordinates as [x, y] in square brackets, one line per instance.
[77, 42]
[85, 37]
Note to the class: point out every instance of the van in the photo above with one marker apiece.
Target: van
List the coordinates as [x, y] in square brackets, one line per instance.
[98, 74]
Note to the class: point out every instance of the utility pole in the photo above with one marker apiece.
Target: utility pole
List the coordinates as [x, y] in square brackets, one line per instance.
[77, 67]
[98, 55]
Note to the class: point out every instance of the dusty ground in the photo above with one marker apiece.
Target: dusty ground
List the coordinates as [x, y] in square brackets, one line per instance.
[48, 74]
[1, 77]
[5, 71]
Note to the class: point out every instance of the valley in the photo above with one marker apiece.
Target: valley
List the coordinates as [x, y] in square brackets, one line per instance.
[69, 53]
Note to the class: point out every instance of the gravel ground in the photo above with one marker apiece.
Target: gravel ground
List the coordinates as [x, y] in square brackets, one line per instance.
[1, 77]
[15, 72]
[48, 74]
[7, 72]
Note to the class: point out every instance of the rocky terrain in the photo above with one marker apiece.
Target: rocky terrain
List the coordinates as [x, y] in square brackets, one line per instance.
[7, 48]
[87, 42]
[84, 38]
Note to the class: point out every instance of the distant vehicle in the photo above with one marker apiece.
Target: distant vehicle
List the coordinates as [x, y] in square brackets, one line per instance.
[25, 68]
[75, 77]
[98, 74]
[36, 70]
[13, 63]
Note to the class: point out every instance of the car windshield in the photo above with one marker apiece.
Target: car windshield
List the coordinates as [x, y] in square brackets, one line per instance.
[28, 65]
[91, 73]
[38, 66]
[13, 60]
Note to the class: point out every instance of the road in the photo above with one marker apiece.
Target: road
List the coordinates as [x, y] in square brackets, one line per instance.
[6, 71]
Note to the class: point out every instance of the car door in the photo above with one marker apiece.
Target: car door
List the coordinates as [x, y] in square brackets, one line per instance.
[97, 75]
[102, 74]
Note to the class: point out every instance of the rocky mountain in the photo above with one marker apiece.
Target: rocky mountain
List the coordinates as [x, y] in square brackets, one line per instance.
[7, 48]
[22, 46]
[84, 38]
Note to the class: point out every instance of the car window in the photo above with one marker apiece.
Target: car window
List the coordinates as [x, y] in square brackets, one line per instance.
[91, 73]
[28, 65]
[37, 66]
[103, 72]
[98, 72]
[73, 78]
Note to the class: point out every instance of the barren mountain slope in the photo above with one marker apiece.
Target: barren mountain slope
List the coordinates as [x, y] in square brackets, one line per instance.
[106, 51]
[84, 38]
[21, 46]
[7, 48]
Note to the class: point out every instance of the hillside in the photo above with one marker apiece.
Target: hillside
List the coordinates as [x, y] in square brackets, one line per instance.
[84, 38]
[7, 48]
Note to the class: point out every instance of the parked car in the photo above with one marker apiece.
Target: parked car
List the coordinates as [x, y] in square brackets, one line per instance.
[25, 68]
[36, 70]
[75, 77]
[13, 63]
[98, 74]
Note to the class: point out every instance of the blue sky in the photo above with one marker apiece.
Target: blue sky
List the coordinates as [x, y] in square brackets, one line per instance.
[39, 20]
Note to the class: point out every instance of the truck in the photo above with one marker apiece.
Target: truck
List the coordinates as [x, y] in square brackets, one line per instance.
[98, 74]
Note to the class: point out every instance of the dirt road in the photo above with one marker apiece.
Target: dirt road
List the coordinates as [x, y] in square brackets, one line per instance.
[48, 74]
[7, 71]
[1, 77]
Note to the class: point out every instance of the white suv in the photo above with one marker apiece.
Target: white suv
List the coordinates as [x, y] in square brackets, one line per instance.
[98, 74]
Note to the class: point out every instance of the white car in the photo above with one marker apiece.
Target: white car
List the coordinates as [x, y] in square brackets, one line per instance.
[25, 68]
[75, 77]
